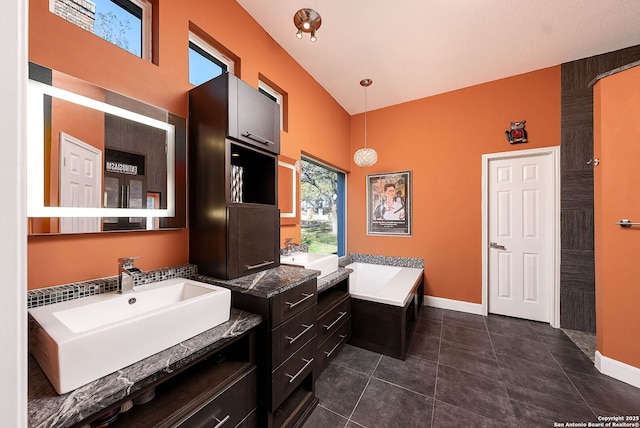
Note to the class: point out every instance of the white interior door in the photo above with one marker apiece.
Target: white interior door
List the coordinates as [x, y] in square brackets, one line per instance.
[80, 182]
[521, 236]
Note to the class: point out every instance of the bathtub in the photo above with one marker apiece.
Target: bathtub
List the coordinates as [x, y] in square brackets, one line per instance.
[390, 285]
[385, 301]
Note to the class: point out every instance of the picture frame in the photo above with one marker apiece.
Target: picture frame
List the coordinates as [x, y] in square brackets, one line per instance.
[389, 201]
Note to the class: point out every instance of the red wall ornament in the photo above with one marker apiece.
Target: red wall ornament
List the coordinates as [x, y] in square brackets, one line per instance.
[517, 133]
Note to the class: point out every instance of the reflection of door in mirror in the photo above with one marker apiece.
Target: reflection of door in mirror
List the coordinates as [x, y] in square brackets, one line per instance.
[80, 182]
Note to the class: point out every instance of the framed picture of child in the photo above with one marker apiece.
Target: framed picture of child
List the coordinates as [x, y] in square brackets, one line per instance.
[389, 203]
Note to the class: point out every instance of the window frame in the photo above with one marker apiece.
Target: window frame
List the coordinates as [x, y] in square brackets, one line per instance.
[147, 27]
[279, 98]
[146, 18]
[341, 202]
[206, 47]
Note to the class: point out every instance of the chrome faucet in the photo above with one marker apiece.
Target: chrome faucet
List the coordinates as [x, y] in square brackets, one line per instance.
[126, 274]
[288, 246]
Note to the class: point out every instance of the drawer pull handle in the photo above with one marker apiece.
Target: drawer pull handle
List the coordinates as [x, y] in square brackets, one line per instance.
[342, 336]
[294, 304]
[257, 138]
[293, 377]
[328, 327]
[265, 263]
[306, 329]
[221, 422]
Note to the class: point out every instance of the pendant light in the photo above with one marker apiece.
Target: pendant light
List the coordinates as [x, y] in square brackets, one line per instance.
[365, 156]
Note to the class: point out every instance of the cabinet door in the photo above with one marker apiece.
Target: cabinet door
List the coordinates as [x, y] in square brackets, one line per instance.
[258, 119]
[254, 234]
[230, 406]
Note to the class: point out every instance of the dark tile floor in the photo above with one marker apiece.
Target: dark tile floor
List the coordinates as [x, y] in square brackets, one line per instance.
[466, 370]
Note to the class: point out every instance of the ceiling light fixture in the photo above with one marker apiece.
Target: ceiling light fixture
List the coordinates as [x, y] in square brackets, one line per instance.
[307, 21]
[365, 156]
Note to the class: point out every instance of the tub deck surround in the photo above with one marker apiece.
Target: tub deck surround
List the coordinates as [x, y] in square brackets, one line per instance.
[265, 284]
[384, 313]
[47, 409]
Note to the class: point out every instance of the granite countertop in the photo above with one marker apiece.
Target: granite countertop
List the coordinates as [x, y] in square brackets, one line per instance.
[48, 409]
[272, 282]
[332, 279]
[267, 283]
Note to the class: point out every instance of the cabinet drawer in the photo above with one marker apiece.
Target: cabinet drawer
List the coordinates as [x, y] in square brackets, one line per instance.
[333, 319]
[330, 347]
[292, 334]
[251, 421]
[229, 407]
[291, 373]
[293, 301]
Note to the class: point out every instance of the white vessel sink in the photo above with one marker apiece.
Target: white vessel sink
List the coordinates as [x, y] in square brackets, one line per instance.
[325, 263]
[78, 341]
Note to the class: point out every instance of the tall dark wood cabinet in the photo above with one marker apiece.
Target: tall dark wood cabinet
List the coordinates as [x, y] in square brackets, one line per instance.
[234, 140]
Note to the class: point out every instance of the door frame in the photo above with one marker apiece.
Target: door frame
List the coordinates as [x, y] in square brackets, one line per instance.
[554, 292]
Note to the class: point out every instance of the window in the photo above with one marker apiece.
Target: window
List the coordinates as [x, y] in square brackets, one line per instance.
[271, 93]
[125, 23]
[205, 61]
[323, 208]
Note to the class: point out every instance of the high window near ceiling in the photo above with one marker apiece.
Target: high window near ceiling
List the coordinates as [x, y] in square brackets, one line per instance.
[125, 23]
[277, 94]
[323, 208]
[206, 60]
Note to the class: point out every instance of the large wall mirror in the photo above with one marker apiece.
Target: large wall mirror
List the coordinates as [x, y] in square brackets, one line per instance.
[98, 161]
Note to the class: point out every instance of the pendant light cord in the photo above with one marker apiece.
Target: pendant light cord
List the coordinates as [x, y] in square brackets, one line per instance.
[365, 117]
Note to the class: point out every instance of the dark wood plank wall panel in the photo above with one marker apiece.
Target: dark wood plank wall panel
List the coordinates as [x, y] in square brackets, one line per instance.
[579, 220]
[577, 308]
[577, 278]
[575, 149]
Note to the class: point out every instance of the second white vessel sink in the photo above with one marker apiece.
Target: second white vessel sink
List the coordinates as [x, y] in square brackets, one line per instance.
[325, 263]
[78, 341]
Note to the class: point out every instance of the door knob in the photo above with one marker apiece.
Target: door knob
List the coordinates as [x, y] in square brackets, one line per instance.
[496, 246]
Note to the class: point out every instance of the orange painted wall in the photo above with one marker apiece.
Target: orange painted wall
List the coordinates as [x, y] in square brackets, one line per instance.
[441, 139]
[58, 44]
[616, 134]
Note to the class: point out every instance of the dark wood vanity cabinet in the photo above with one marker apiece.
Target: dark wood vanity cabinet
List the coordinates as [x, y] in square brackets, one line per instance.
[218, 389]
[234, 139]
[286, 353]
[334, 323]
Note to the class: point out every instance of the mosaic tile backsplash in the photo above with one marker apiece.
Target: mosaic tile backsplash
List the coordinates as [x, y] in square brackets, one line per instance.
[77, 290]
[410, 262]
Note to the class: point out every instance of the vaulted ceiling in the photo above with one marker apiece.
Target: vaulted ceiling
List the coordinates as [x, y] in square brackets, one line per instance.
[417, 48]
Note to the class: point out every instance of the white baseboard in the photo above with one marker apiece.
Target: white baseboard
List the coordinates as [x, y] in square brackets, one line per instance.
[618, 370]
[454, 305]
